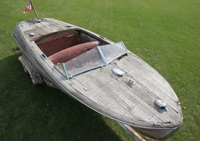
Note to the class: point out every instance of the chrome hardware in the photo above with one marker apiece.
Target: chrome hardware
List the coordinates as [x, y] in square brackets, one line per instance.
[101, 37]
[159, 123]
[22, 25]
[156, 123]
[43, 56]
[84, 88]
[131, 81]
[102, 56]
[68, 25]
[117, 72]
[161, 104]
[47, 26]
[37, 20]
[31, 33]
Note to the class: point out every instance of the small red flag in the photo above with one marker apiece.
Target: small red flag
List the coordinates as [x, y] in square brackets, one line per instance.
[29, 7]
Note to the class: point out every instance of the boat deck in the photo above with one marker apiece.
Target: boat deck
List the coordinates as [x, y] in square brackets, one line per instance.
[135, 102]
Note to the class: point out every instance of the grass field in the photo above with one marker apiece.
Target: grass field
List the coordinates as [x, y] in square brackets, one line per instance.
[166, 34]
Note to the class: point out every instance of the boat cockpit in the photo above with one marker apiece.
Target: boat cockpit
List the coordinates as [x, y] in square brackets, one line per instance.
[76, 51]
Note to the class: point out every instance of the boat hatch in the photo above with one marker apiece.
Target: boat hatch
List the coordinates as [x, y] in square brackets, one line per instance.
[92, 59]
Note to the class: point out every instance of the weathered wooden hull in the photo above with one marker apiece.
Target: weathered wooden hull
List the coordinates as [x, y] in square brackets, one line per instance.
[106, 93]
[159, 133]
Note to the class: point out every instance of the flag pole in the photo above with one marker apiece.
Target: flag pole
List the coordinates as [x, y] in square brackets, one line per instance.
[35, 12]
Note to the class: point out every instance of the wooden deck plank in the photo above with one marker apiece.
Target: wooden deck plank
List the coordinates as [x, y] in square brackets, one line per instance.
[60, 25]
[116, 107]
[25, 26]
[56, 24]
[102, 98]
[79, 86]
[156, 80]
[131, 116]
[26, 29]
[38, 30]
[90, 85]
[140, 113]
[156, 119]
[126, 101]
[94, 98]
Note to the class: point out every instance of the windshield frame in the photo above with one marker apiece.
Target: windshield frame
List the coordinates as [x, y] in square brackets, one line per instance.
[118, 55]
[98, 66]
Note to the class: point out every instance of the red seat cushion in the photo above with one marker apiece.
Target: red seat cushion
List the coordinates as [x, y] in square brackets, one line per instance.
[72, 52]
[57, 42]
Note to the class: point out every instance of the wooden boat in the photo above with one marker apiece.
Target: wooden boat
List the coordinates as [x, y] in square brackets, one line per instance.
[100, 74]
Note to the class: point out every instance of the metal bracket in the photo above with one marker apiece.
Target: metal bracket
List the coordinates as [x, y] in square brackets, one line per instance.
[47, 26]
[131, 81]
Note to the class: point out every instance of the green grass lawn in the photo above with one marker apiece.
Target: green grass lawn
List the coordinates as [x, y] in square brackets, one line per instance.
[166, 34]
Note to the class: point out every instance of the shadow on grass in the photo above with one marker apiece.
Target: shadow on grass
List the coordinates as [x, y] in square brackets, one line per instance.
[43, 113]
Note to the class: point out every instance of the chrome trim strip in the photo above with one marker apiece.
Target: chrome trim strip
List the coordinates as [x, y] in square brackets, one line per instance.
[47, 26]
[65, 71]
[124, 46]
[102, 56]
